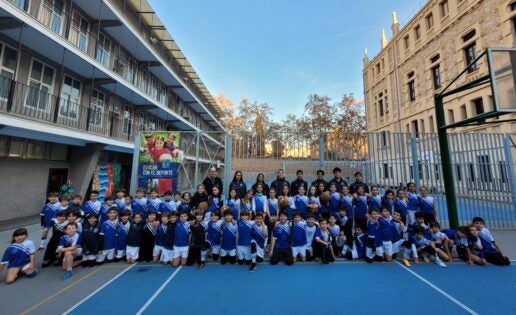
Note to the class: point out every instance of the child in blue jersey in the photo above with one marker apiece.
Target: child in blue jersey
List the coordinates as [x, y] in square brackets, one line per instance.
[401, 203]
[109, 232]
[273, 211]
[360, 203]
[71, 217]
[186, 198]
[134, 239]
[177, 201]
[215, 201]
[388, 200]
[140, 203]
[47, 213]
[234, 203]
[214, 234]
[260, 200]
[291, 207]
[121, 239]
[158, 252]
[168, 205]
[228, 239]
[311, 228]
[424, 247]
[313, 202]
[301, 201]
[129, 203]
[75, 205]
[346, 221]
[324, 200]
[120, 200]
[358, 245]
[19, 257]
[245, 229]
[334, 200]
[485, 233]
[92, 205]
[197, 251]
[247, 203]
[441, 240]
[385, 233]
[63, 202]
[154, 203]
[474, 251]
[298, 232]
[50, 256]
[323, 243]
[258, 241]
[398, 230]
[104, 209]
[462, 244]
[427, 205]
[374, 249]
[338, 239]
[280, 243]
[413, 203]
[91, 241]
[420, 221]
[70, 246]
[181, 240]
[374, 200]
[485, 248]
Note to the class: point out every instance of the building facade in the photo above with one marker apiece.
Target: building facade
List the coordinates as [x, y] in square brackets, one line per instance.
[78, 80]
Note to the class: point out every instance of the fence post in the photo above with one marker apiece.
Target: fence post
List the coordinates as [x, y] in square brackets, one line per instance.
[228, 142]
[197, 147]
[321, 151]
[134, 169]
[415, 164]
[510, 168]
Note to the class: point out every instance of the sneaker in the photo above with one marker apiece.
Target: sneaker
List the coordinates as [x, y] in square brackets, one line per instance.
[67, 274]
[406, 262]
[201, 265]
[426, 258]
[252, 268]
[439, 262]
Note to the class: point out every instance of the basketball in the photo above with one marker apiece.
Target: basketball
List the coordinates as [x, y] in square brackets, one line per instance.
[203, 206]
[282, 202]
[325, 196]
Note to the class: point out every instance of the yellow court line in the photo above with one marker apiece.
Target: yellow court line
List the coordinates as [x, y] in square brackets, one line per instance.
[47, 299]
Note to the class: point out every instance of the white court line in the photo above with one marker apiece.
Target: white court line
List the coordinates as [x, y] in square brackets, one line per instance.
[100, 288]
[436, 288]
[155, 295]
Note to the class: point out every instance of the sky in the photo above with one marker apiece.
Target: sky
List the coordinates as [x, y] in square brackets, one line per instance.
[281, 51]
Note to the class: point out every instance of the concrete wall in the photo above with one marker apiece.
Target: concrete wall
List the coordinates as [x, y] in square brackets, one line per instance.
[24, 185]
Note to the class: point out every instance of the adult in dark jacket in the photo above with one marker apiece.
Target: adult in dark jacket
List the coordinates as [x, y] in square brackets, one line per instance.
[298, 182]
[280, 181]
[212, 180]
[358, 182]
[260, 179]
[238, 184]
[337, 179]
[320, 179]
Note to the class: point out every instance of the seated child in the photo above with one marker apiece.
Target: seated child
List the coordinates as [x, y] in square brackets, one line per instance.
[19, 257]
[70, 246]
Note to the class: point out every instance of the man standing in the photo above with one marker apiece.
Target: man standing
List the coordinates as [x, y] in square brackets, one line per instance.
[358, 182]
[212, 180]
[337, 179]
[320, 179]
[279, 182]
[294, 188]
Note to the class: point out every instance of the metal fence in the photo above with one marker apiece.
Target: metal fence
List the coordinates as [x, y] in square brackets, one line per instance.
[483, 165]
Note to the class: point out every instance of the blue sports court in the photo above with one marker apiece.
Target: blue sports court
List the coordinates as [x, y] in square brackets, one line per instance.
[309, 288]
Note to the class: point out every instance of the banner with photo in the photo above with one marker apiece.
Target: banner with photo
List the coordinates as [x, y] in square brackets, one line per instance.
[159, 159]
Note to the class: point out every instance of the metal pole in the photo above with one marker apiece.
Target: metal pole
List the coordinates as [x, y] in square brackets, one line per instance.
[227, 161]
[197, 147]
[449, 187]
[415, 163]
[134, 170]
[510, 169]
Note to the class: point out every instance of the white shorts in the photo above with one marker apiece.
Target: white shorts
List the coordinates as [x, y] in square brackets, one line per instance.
[180, 251]
[90, 257]
[120, 253]
[166, 255]
[132, 252]
[224, 252]
[244, 252]
[215, 249]
[260, 251]
[411, 217]
[301, 250]
[25, 267]
[370, 253]
[309, 248]
[387, 248]
[109, 253]
[396, 246]
[156, 251]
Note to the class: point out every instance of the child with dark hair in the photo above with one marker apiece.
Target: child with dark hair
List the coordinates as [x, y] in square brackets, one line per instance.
[57, 231]
[70, 246]
[47, 213]
[413, 203]
[168, 205]
[388, 200]
[245, 229]
[91, 241]
[462, 246]
[441, 240]
[358, 247]
[120, 200]
[280, 243]
[92, 205]
[148, 237]
[234, 203]
[109, 231]
[424, 247]
[154, 203]
[185, 203]
[139, 204]
[19, 256]
[374, 249]
[196, 254]
[181, 240]
[123, 230]
[134, 239]
[259, 239]
[485, 248]
[104, 209]
[75, 205]
[323, 243]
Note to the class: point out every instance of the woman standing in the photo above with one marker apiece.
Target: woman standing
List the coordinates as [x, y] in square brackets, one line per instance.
[238, 184]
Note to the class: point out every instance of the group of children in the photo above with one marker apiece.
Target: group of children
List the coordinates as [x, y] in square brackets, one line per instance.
[178, 230]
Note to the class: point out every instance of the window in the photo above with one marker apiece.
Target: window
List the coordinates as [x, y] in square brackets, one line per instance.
[36, 150]
[470, 53]
[443, 7]
[79, 31]
[144, 82]
[128, 119]
[458, 173]
[436, 76]
[40, 86]
[384, 139]
[70, 98]
[429, 21]
[22, 4]
[102, 50]
[16, 147]
[97, 108]
[51, 14]
[431, 124]
[417, 32]
[8, 57]
[3, 146]
[59, 152]
[478, 105]
[502, 166]
[380, 107]
[415, 128]
[386, 171]
[484, 168]
[411, 90]
[131, 70]
[463, 112]
[513, 6]
[406, 42]
[451, 117]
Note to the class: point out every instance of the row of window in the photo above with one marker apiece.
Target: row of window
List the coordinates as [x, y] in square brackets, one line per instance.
[21, 148]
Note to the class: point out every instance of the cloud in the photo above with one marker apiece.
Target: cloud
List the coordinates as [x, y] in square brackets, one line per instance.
[338, 35]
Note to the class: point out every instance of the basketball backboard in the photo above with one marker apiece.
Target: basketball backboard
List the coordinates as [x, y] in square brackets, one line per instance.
[502, 70]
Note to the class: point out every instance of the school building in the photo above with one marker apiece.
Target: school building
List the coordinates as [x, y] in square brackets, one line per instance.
[78, 80]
